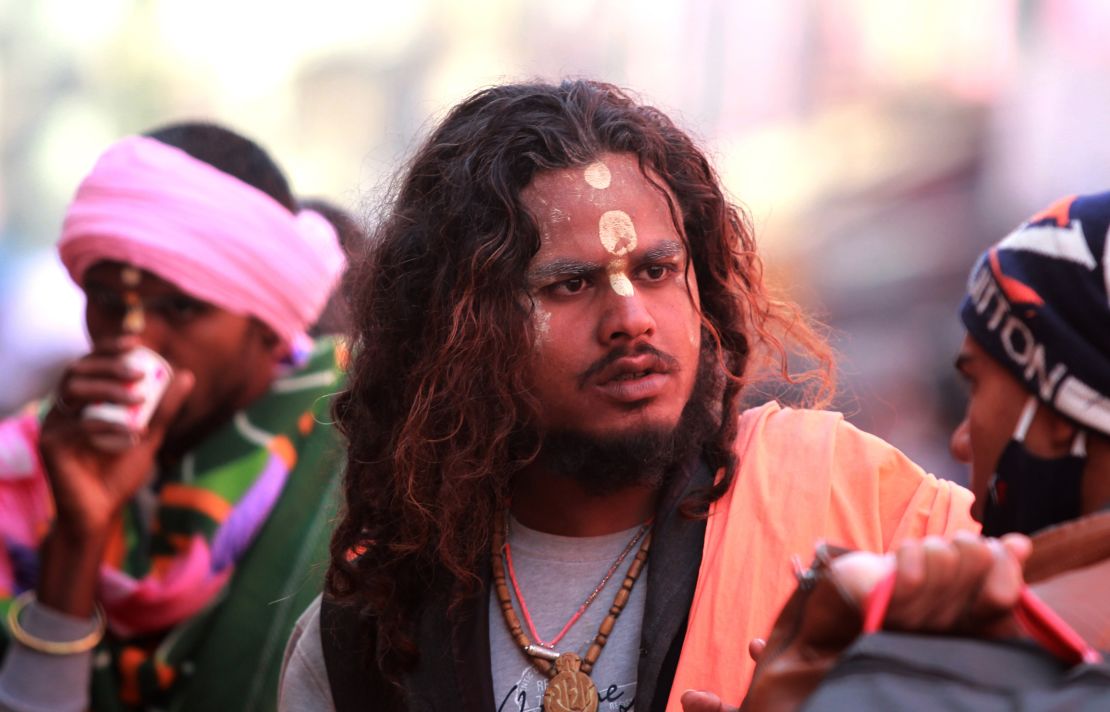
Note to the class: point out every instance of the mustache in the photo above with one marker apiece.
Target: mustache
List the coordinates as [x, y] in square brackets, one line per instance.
[622, 352]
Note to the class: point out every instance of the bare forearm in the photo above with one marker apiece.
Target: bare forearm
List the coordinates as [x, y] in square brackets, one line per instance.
[70, 566]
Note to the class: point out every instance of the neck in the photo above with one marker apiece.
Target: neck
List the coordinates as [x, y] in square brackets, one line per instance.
[556, 504]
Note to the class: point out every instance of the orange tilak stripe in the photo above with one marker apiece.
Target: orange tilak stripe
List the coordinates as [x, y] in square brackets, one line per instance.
[207, 503]
[284, 449]
[1058, 211]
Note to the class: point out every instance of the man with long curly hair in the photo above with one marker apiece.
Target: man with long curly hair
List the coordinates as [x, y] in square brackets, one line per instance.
[552, 495]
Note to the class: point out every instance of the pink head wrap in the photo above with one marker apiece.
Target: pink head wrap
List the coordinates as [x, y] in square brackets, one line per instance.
[220, 240]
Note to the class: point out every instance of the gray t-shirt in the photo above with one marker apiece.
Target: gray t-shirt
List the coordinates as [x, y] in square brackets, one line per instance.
[556, 574]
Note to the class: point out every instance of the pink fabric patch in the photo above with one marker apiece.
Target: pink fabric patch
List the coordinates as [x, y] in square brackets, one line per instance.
[159, 602]
[26, 506]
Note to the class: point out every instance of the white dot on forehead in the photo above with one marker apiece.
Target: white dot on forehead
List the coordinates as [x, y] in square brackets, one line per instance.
[617, 233]
[597, 175]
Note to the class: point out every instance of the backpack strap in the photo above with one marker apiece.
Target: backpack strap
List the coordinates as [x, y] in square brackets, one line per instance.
[349, 643]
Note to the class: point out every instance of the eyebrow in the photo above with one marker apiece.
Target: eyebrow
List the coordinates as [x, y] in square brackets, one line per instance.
[962, 362]
[668, 248]
[566, 267]
[563, 268]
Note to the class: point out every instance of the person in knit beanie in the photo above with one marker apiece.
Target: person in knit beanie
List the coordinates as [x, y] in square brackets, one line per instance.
[1037, 359]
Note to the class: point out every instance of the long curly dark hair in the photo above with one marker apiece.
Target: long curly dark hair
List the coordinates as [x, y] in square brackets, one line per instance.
[437, 411]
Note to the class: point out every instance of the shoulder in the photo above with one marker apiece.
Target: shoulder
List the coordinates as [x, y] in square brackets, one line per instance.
[304, 678]
[817, 461]
[814, 436]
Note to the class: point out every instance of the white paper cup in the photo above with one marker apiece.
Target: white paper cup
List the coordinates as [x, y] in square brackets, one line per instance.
[156, 377]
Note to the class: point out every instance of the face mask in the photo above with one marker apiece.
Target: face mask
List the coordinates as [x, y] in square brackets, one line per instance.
[1028, 493]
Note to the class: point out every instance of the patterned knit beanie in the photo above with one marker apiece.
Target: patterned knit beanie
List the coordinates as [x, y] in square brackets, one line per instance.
[1037, 302]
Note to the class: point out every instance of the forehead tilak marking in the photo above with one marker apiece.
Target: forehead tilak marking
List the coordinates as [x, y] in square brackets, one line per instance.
[617, 233]
[134, 319]
[618, 280]
[597, 175]
[618, 236]
[615, 230]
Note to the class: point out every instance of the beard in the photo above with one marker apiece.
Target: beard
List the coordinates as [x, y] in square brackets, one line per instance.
[642, 457]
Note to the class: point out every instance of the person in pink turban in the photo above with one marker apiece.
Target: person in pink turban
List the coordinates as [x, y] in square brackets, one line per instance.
[155, 563]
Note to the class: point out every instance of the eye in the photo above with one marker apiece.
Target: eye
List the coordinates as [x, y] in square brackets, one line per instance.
[574, 285]
[178, 307]
[657, 271]
[104, 299]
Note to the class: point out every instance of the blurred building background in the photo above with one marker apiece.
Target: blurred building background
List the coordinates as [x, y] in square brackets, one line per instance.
[878, 145]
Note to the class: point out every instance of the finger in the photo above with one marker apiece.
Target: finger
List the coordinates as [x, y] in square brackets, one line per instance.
[1019, 546]
[82, 434]
[858, 572]
[1003, 583]
[957, 591]
[756, 648]
[80, 391]
[79, 384]
[103, 366]
[701, 701]
[909, 578]
[927, 566]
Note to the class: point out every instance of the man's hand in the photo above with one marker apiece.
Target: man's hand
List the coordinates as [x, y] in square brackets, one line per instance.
[90, 486]
[965, 586]
[701, 701]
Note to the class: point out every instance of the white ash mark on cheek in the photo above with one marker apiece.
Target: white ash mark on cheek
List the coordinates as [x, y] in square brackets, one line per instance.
[617, 233]
[557, 216]
[541, 325]
[597, 175]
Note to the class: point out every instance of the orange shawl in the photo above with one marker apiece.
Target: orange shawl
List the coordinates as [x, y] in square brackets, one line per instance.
[804, 475]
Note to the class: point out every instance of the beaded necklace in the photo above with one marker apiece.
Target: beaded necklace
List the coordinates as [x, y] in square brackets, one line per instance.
[570, 687]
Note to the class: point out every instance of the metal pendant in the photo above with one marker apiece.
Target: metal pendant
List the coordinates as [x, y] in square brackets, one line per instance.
[570, 690]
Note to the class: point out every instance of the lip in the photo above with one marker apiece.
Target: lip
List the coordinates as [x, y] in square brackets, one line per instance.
[614, 382]
[636, 389]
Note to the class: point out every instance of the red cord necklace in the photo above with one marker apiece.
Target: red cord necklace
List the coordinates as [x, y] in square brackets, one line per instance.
[585, 604]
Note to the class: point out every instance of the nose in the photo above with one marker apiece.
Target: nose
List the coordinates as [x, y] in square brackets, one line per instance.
[960, 442]
[155, 332]
[625, 318]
